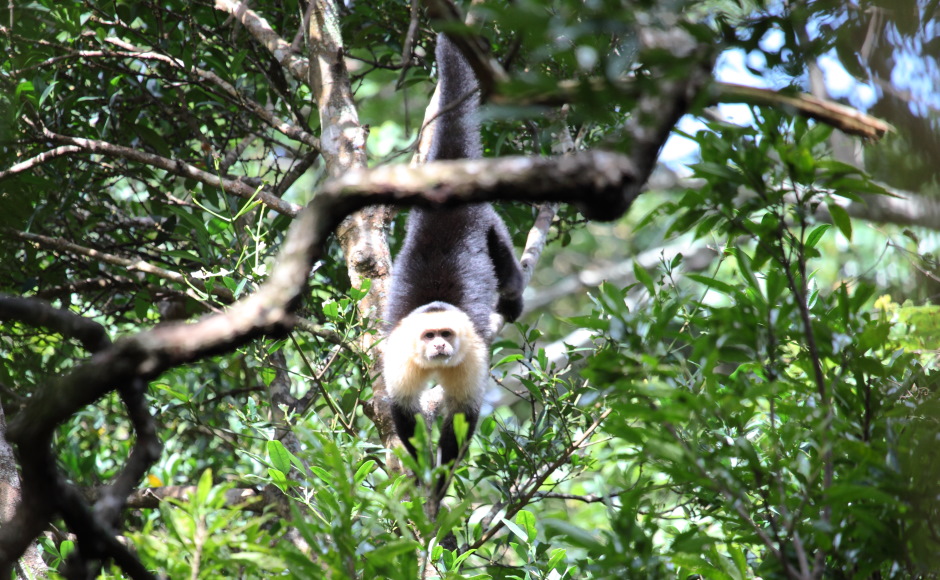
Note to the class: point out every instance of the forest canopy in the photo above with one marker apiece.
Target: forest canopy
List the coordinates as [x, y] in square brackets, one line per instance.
[727, 214]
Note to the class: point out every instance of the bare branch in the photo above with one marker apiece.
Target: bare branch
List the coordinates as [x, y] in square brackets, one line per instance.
[263, 33]
[219, 291]
[287, 129]
[603, 181]
[535, 243]
[844, 118]
[177, 167]
[151, 497]
[38, 160]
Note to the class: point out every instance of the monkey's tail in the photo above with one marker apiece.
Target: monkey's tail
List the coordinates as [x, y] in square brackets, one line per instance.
[457, 131]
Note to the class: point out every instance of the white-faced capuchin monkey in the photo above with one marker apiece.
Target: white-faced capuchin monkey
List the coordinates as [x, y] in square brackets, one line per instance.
[455, 269]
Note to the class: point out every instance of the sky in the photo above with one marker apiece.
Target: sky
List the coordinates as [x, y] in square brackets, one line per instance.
[912, 74]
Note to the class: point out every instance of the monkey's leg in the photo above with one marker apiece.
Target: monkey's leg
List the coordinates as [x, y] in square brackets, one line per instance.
[450, 450]
[403, 415]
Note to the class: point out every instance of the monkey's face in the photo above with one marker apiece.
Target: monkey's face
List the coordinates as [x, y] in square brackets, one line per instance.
[439, 346]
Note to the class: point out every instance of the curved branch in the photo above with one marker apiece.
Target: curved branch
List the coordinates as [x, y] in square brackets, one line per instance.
[35, 312]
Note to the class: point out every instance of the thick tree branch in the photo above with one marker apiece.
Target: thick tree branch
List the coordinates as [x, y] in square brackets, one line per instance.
[584, 178]
[590, 178]
[361, 235]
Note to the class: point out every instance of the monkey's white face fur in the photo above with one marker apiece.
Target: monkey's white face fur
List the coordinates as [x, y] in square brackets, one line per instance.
[441, 346]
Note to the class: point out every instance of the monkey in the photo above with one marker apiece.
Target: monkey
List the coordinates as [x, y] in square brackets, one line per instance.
[436, 342]
[456, 269]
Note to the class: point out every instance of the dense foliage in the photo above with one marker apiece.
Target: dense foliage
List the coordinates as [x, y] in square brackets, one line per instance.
[736, 380]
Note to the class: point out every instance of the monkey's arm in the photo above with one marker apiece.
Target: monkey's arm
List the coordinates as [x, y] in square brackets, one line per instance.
[509, 279]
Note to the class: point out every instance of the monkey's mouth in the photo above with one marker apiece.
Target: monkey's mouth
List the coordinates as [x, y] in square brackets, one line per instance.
[441, 357]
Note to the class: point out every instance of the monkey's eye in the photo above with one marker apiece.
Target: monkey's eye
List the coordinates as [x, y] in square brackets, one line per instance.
[446, 334]
[429, 335]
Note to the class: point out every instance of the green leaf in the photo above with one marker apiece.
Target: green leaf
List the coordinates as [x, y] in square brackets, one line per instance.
[643, 277]
[278, 478]
[718, 285]
[841, 218]
[46, 92]
[385, 553]
[519, 532]
[331, 309]
[721, 172]
[744, 264]
[24, 87]
[66, 548]
[526, 519]
[557, 560]
[364, 470]
[576, 535]
[279, 455]
[204, 487]
[358, 294]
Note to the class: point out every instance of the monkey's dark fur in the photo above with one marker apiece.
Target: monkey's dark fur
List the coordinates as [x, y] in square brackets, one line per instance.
[461, 256]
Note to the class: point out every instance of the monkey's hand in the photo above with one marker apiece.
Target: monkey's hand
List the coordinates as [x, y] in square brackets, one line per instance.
[510, 307]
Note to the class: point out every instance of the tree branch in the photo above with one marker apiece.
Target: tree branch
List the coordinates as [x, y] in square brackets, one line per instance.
[287, 129]
[221, 292]
[263, 33]
[33, 312]
[844, 118]
[233, 186]
[38, 160]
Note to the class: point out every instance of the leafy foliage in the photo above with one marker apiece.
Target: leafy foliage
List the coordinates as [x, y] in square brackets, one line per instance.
[744, 419]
